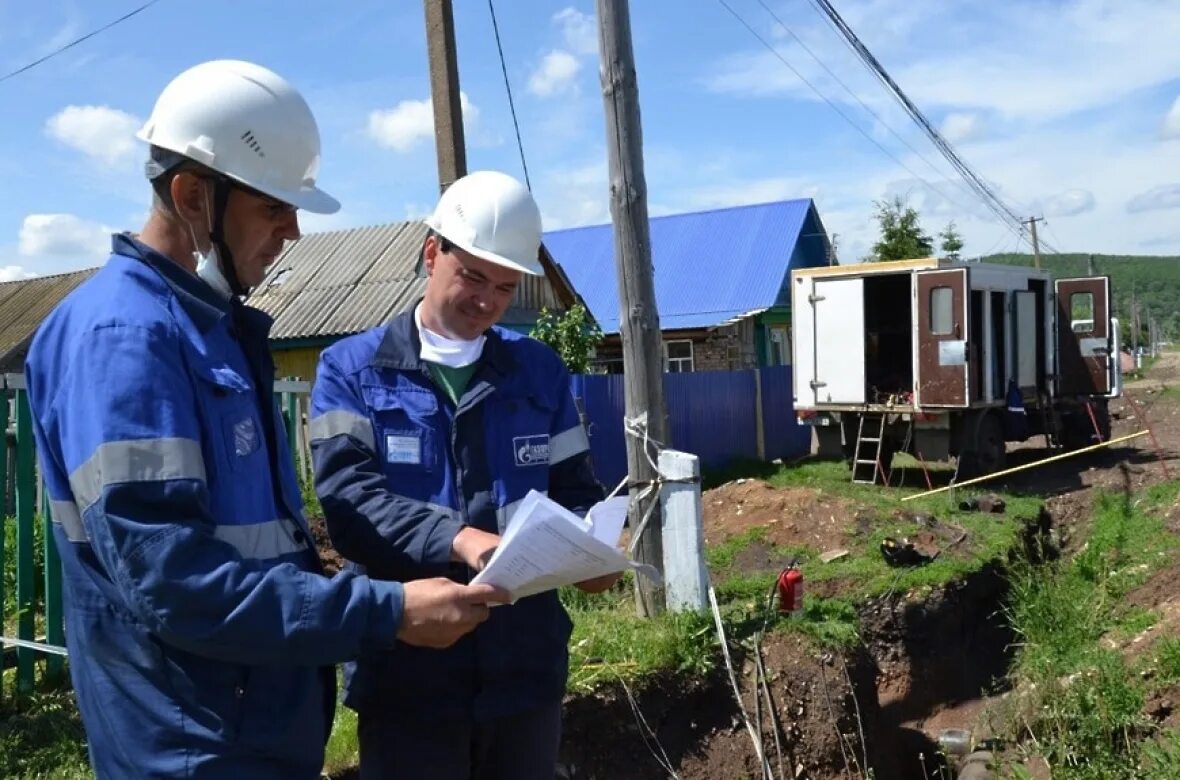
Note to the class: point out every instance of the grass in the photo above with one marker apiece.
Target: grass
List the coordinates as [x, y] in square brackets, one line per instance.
[343, 751]
[11, 613]
[41, 736]
[610, 643]
[1080, 703]
[864, 573]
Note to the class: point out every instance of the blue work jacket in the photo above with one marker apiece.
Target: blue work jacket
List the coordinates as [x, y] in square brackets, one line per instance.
[400, 469]
[199, 624]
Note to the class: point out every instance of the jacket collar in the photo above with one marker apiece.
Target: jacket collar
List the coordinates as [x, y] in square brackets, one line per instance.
[200, 302]
[401, 347]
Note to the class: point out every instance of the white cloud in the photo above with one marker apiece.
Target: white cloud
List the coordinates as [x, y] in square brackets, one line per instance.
[13, 273]
[556, 74]
[578, 30]
[104, 134]
[62, 235]
[962, 126]
[1171, 128]
[1069, 203]
[1166, 196]
[404, 126]
[574, 195]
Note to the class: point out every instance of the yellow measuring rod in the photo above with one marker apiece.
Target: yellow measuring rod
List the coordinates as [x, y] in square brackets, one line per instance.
[1015, 469]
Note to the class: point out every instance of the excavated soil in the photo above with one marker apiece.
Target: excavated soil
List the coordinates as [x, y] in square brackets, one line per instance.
[700, 732]
[792, 517]
[924, 665]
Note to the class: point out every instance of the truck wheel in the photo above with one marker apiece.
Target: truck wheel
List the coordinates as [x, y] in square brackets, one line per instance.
[986, 453]
[1078, 429]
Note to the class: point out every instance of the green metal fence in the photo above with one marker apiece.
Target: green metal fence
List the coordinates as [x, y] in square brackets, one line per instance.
[35, 610]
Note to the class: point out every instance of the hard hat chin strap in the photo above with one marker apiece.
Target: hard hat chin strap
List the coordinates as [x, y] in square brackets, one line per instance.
[221, 190]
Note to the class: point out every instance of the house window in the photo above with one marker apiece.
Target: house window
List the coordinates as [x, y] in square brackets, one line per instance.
[780, 346]
[677, 356]
[942, 311]
[1081, 312]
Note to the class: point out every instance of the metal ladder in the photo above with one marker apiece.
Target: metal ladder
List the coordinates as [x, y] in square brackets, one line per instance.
[1050, 422]
[860, 461]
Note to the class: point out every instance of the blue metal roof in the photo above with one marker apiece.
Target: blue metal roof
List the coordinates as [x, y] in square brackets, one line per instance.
[710, 266]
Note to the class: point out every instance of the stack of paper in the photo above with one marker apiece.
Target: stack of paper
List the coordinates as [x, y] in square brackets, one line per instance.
[546, 546]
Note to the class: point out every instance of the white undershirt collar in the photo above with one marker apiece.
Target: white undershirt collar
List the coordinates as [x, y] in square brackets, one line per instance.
[453, 353]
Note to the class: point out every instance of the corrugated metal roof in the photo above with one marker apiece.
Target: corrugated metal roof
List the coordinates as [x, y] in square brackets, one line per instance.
[346, 281]
[24, 304]
[369, 301]
[710, 266]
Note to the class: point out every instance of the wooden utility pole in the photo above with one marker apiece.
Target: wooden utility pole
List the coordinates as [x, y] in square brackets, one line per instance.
[1134, 322]
[639, 320]
[1032, 226]
[444, 92]
[1090, 265]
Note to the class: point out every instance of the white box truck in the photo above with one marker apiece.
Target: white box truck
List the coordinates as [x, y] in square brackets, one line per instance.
[927, 356]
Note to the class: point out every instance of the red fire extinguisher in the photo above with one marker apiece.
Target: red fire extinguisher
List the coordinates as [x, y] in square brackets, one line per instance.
[790, 591]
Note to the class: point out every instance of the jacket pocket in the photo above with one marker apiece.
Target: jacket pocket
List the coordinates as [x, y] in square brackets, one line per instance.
[405, 426]
[234, 416]
[208, 693]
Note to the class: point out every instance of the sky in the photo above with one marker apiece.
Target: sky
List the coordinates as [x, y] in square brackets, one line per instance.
[1070, 109]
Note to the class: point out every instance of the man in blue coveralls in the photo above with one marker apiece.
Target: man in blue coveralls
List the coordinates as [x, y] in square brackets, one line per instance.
[426, 434]
[200, 627]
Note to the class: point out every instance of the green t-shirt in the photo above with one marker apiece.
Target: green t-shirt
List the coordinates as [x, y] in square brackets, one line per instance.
[453, 381]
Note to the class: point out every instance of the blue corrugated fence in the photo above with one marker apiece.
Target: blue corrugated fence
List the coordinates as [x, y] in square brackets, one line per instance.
[711, 414]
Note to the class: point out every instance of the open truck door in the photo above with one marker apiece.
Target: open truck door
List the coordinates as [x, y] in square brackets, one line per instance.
[941, 309]
[829, 320]
[1084, 338]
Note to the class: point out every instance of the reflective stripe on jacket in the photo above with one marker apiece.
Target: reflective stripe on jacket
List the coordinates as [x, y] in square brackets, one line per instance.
[399, 471]
[199, 624]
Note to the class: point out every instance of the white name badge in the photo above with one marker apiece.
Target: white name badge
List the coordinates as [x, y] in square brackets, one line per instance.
[403, 449]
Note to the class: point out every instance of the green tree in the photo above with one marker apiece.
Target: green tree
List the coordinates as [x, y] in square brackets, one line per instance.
[573, 335]
[952, 242]
[901, 233]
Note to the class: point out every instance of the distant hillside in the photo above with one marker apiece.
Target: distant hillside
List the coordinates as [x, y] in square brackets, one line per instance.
[1155, 279]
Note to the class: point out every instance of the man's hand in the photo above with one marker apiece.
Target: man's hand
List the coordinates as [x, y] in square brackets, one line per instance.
[436, 612]
[598, 584]
[474, 547]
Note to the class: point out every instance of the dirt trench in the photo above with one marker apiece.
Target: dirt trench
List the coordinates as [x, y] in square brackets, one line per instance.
[924, 665]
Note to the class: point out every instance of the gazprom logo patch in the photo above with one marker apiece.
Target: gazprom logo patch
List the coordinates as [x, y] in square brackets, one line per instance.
[531, 450]
[245, 437]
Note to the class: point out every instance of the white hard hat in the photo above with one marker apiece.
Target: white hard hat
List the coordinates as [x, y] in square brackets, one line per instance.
[492, 216]
[247, 123]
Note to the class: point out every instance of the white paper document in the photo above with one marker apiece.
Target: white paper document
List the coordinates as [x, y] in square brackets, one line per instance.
[546, 546]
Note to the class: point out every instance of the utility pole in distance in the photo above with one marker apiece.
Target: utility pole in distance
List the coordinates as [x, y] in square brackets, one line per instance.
[1032, 226]
[444, 92]
[1134, 322]
[639, 320]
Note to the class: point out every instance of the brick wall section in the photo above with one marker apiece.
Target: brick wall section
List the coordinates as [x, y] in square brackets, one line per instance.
[726, 349]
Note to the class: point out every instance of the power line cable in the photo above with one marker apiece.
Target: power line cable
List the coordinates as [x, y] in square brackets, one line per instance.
[995, 246]
[986, 193]
[76, 41]
[1056, 240]
[854, 96]
[508, 89]
[827, 100]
